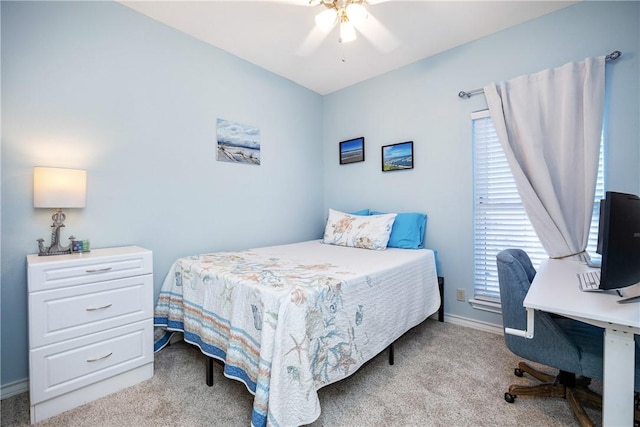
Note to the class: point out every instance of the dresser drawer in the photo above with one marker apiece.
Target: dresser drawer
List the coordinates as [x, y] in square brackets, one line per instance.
[60, 368]
[95, 266]
[66, 313]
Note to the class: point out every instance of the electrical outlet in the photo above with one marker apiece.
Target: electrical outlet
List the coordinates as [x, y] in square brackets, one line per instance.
[460, 294]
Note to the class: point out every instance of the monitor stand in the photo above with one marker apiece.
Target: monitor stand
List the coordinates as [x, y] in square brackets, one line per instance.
[594, 263]
[629, 294]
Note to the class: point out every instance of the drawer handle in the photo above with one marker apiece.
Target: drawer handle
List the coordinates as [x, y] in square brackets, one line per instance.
[98, 308]
[100, 270]
[99, 358]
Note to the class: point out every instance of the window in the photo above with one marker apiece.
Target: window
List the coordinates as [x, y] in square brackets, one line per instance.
[500, 220]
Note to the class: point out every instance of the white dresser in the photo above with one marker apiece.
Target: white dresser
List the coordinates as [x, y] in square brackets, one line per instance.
[90, 326]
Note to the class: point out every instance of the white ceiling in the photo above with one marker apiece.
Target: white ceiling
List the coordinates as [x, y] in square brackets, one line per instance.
[280, 35]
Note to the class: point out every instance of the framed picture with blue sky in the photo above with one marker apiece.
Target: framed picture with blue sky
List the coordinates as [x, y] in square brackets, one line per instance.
[352, 151]
[397, 157]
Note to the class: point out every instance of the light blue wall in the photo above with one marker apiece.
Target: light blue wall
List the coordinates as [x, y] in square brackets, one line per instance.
[98, 86]
[420, 103]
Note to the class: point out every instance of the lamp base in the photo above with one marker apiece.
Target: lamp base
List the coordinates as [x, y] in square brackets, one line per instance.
[55, 248]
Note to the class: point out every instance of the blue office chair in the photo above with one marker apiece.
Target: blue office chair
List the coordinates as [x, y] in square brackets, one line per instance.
[572, 347]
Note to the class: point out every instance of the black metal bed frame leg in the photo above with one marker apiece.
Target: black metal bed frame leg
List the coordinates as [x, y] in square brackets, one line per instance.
[209, 371]
[391, 354]
[441, 289]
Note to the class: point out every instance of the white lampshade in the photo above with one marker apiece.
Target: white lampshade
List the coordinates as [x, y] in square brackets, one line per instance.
[326, 19]
[357, 13]
[347, 32]
[59, 188]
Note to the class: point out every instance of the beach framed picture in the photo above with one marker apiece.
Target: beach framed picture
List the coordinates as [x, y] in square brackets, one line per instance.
[238, 143]
[397, 157]
[352, 151]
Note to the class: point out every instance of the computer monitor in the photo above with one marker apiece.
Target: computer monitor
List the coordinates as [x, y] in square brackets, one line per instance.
[619, 240]
[600, 227]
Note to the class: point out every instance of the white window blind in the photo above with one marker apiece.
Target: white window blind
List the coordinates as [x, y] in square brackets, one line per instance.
[500, 221]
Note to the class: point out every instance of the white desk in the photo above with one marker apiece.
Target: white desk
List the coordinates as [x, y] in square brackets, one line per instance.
[555, 290]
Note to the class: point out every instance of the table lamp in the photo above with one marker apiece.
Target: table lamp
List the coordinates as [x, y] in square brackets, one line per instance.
[58, 188]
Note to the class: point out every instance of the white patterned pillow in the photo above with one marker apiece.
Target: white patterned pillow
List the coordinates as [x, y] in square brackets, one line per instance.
[367, 232]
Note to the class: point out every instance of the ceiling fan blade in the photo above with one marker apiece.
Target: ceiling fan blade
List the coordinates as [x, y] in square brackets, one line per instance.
[290, 2]
[313, 40]
[295, 2]
[312, 3]
[378, 35]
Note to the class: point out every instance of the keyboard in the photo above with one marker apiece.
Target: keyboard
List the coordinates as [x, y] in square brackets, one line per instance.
[589, 280]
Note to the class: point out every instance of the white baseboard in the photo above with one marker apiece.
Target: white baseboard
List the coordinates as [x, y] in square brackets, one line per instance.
[14, 388]
[475, 324]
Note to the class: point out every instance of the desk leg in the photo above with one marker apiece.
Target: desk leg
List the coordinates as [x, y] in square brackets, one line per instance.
[617, 399]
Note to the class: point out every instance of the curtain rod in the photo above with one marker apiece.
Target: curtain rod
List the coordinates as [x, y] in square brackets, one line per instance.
[468, 94]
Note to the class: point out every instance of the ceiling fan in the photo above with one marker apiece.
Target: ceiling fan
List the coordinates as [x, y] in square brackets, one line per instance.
[349, 16]
[348, 13]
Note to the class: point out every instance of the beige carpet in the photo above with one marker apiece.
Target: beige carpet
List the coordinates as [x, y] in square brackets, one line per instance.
[444, 375]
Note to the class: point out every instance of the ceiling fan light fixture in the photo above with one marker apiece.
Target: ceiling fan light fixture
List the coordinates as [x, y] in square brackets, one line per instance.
[357, 13]
[326, 19]
[347, 32]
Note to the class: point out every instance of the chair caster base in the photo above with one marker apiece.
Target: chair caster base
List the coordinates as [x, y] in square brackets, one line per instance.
[509, 397]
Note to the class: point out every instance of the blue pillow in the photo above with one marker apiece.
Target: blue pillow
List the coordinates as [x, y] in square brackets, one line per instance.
[407, 231]
[363, 212]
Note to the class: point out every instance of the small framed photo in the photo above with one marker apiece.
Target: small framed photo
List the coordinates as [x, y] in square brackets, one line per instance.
[352, 151]
[397, 157]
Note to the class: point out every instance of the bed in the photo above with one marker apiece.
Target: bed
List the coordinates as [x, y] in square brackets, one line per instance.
[287, 320]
